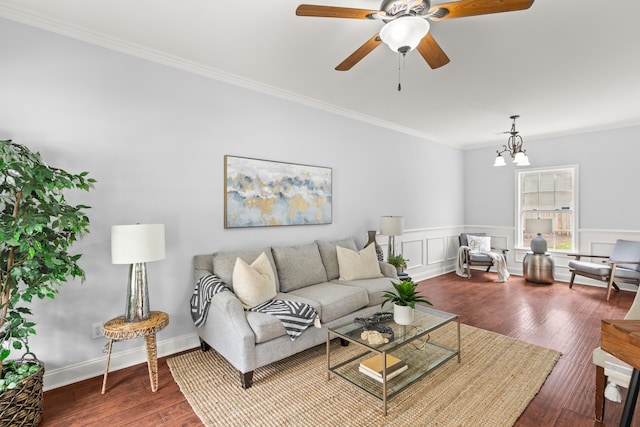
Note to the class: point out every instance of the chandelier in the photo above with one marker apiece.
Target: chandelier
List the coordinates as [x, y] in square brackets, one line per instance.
[513, 147]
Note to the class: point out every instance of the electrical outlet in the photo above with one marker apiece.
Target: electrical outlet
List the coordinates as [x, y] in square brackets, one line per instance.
[97, 331]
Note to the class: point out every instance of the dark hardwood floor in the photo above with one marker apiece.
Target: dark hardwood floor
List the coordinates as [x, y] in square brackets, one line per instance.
[552, 316]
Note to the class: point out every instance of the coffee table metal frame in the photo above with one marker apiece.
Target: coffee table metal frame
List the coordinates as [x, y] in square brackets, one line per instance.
[411, 344]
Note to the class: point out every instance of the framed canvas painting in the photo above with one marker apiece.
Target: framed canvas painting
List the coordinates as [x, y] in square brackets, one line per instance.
[265, 193]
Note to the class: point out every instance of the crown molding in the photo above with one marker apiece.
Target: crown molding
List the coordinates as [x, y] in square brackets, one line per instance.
[83, 34]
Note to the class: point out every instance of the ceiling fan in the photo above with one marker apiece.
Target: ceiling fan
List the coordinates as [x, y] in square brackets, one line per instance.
[407, 26]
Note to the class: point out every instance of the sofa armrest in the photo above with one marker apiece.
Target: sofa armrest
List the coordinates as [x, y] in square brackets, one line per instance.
[388, 270]
[228, 332]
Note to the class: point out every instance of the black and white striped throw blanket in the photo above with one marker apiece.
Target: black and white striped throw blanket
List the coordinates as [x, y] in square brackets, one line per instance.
[295, 316]
[203, 292]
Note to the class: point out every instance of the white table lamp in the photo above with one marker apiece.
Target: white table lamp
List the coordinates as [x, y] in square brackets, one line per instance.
[391, 226]
[136, 245]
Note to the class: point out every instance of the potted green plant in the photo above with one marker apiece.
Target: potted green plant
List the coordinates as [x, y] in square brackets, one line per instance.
[37, 228]
[404, 301]
[398, 262]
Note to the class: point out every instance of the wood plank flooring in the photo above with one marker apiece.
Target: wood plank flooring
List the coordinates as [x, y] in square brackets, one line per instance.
[552, 316]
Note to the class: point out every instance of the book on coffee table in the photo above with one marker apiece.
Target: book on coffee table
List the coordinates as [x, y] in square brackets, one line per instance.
[373, 365]
[390, 376]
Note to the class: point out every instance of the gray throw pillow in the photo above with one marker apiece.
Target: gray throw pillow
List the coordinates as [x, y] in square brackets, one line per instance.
[330, 256]
[298, 266]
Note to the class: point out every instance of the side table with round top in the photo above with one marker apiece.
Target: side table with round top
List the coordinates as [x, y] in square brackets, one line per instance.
[118, 329]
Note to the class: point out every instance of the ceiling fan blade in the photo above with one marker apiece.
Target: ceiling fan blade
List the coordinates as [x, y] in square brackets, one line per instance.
[335, 12]
[462, 8]
[360, 53]
[432, 52]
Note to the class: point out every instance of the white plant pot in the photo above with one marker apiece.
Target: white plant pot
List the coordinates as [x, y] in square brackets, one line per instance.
[403, 314]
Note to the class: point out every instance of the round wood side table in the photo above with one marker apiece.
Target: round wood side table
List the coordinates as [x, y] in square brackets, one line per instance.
[118, 329]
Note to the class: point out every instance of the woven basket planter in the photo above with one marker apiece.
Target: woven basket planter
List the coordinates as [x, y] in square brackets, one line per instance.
[22, 406]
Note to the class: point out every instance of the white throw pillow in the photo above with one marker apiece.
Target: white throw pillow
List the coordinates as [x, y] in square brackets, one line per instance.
[358, 265]
[479, 243]
[254, 284]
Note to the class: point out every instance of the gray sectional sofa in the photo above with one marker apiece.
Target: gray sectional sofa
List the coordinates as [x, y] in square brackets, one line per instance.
[307, 273]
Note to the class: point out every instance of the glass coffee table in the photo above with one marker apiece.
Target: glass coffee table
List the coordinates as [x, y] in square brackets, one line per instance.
[411, 344]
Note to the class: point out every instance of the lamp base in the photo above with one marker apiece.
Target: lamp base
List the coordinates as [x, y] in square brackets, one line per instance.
[392, 247]
[538, 244]
[137, 308]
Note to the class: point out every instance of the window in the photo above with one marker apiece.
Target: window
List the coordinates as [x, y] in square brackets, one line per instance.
[548, 194]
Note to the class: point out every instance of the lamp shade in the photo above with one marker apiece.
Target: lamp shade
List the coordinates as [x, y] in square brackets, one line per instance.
[499, 161]
[137, 243]
[542, 226]
[391, 225]
[404, 32]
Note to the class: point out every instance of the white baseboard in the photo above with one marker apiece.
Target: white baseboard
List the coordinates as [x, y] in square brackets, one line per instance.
[120, 360]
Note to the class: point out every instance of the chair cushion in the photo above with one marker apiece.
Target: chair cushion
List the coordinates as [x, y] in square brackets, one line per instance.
[599, 269]
[374, 288]
[299, 266]
[330, 256]
[593, 268]
[224, 263]
[336, 300]
[480, 258]
[626, 250]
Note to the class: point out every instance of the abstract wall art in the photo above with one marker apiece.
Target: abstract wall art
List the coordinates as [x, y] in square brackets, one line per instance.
[264, 193]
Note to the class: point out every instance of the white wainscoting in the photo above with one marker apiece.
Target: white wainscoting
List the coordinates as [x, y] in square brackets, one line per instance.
[433, 251]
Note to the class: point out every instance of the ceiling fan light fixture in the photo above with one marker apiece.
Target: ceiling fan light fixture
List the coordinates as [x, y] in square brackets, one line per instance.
[405, 33]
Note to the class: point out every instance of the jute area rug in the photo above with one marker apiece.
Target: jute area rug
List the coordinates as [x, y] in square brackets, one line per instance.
[495, 381]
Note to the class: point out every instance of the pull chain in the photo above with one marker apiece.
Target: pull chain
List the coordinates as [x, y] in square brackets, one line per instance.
[402, 62]
[399, 72]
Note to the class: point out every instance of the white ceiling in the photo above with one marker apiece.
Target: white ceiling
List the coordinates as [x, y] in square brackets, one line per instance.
[565, 66]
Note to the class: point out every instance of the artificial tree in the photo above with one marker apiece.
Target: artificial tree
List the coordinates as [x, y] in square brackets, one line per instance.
[37, 228]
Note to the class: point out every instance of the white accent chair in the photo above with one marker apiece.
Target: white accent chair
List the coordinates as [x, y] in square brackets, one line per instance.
[611, 370]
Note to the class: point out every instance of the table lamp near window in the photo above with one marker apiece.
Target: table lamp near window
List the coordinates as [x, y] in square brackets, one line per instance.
[391, 226]
[136, 245]
[539, 226]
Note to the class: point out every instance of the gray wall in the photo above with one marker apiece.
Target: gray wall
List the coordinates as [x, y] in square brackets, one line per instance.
[154, 137]
[608, 168]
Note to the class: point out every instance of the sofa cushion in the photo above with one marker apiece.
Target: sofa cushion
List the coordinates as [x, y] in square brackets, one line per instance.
[358, 265]
[254, 284]
[298, 266]
[224, 262]
[330, 256]
[267, 327]
[373, 287]
[336, 300]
